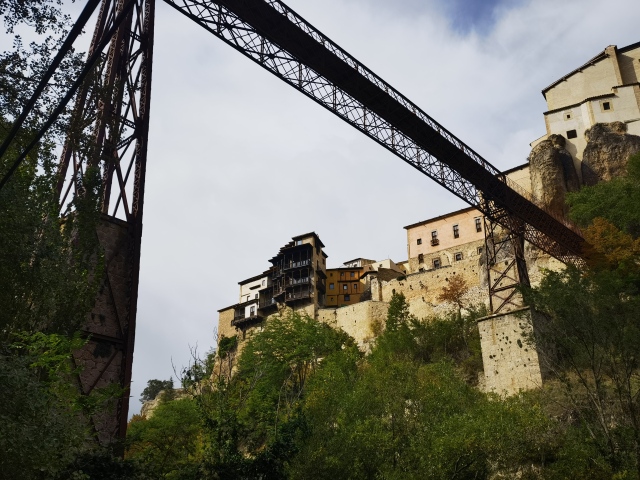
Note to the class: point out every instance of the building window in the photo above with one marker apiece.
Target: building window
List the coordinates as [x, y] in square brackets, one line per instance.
[247, 298]
[331, 286]
[252, 311]
[298, 242]
[434, 238]
[606, 106]
[479, 250]
[456, 231]
[436, 263]
[353, 274]
[457, 256]
[341, 274]
[572, 134]
[355, 287]
[256, 297]
[421, 269]
[347, 298]
[419, 241]
[421, 258]
[345, 287]
[264, 282]
[567, 116]
[478, 224]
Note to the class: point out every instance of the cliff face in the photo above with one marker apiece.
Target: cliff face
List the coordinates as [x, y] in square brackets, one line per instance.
[608, 150]
[552, 173]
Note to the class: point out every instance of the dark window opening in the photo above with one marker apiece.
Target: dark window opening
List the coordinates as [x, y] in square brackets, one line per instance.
[458, 256]
[606, 106]
[572, 134]
[421, 258]
[419, 241]
[436, 263]
[347, 298]
[478, 224]
[456, 231]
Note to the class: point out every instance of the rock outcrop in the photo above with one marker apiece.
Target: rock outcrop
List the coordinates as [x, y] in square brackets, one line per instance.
[552, 174]
[608, 149]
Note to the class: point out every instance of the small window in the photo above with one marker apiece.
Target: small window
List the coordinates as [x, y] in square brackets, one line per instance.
[247, 298]
[606, 106]
[436, 263]
[252, 311]
[264, 282]
[345, 287]
[456, 231]
[419, 241]
[347, 298]
[457, 256]
[353, 274]
[341, 274]
[256, 297]
[478, 224]
[331, 286]
[355, 287]
[567, 116]
[434, 234]
[421, 258]
[572, 134]
[479, 250]
[421, 269]
[298, 242]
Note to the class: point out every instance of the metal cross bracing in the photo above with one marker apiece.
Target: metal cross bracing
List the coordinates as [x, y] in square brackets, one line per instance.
[275, 37]
[112, 109]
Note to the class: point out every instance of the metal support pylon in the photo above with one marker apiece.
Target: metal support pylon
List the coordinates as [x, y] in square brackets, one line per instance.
[112, 107]
[506, 264]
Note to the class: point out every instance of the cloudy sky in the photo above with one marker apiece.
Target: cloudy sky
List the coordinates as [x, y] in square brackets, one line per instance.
[239, 162]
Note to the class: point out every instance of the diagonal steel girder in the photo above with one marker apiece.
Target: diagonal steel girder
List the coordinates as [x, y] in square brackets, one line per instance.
[275, 37]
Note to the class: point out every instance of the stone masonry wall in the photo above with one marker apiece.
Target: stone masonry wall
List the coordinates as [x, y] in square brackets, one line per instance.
[363, 321]
[511, 363]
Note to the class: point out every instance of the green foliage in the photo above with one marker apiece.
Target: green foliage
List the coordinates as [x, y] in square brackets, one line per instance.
[41, 424]
[617, 200]
[168, 443]
[154, 387]
[226, 345]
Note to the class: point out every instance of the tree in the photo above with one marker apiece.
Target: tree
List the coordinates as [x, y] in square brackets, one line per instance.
[154, 387]
[169, 443]
[454, 292]
[590, 340]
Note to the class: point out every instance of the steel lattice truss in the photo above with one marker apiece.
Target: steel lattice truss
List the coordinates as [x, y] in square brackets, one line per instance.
[275, 37]
[112, 110]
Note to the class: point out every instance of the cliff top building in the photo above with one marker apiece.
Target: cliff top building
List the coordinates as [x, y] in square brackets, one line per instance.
[605, 89]
[296, 280]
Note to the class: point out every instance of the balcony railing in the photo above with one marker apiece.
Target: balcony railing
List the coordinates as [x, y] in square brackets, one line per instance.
[434, 242]
[299, 281]
[301, 263]
[267, 302]
[298, 295]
